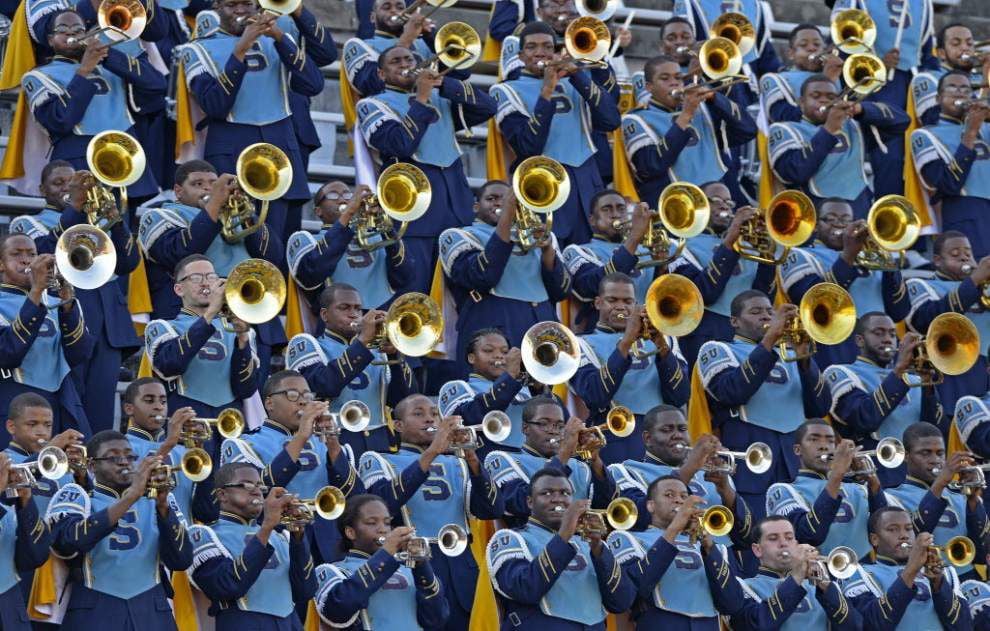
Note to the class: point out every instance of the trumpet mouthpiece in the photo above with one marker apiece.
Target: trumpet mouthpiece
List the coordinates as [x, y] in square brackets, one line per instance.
[257, 502]
[904, 545]
[822, 109]
[967, 268]
[559, 509]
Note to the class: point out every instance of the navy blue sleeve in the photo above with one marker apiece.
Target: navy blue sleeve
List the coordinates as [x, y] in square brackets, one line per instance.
[319, 263]
[77, 341]
[34, 537]
[481, 271]
[616, 589]
[394, 138]
[301, 575]
[957, 300]
[739, 126]
[395, 493]
[597, 386]
[174, 546]
[797, 167]
[601, 103]
[318, 39]
[504, 19]
[60, 116]
[949, 178]
[952, 609]
[432, 607]
[499, 397]
[528, 135]
[884, 614]
[224, 579]
[476, 106]
[486, 501]
[528, 582]
[352, 594]
[136, 71]
[172, 356]
[329, 380]
[655, 161]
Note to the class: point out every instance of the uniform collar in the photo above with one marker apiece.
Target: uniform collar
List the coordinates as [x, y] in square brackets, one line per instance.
[526, 449]
[189, 312]
[742, 338]
[653, 459]
[539, 524]
[360, 554]
[413, 448]
[882, 560]
[479, 376]
[105, 490]
[134, 430]
[235, 519]
[945, 118]
[663, 108]
[602, 237]
[604, 328]
[765, 571]
[808, 473]
[394, 88]
[278, 427]
[337, 337]
[17, 449]
[13, 289]
[64, 59]
[916, 482]
[384, 34]
[867, 360]
[942, 276]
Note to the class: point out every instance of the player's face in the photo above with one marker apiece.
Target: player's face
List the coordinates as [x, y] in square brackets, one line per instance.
[557, 13]
[32, 430]
[817, 95]
[149, 408]
[537, 47]
[67, 26]
[678, 35]
[545, 430]
[548, 499]
[614, 304]
[807, 43]
[777, 545]
[894, 530]
[243, 495]
[383, 12]
[958, 43]
[833, 218]
[194, 286]
[488, 358]
[373, 521]
[954, 92]
[669, 440]
[666, 78]
[283, 411]
[610, 209]
[195, 188]
[722, 206]
[397, 68]
[112, 465]
[956, 253]
[418, 416]
[55, 188]
[879, 341]
[813, 450]
[18, 254]
[925, 457]
[489, 206]
[234, 13]
[331, 201]
[668, 497]
[343, 317]
[754, 318]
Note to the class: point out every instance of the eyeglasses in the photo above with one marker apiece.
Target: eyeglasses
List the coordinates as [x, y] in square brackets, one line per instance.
[131, 459]
[334, 196]
[728, 203]
[247, 486]
[69, 30]
[548, 427]
[295, 395]
[197, 278]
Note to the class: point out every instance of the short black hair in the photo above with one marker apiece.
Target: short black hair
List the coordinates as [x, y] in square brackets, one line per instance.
[384, 54]
[653, 63]
[275, 381]
[51, 166]
[653, 485]
[597, 197]
[653, 415]
[942, 237]
[329, 295]
[490, 183]
[546, 472]
[738, 303]
[863, 322]
[400, 408]
[758, 530]
[818, 77]
[940, 36]
[50, 29]
[181, 265]
[475, 339]
[98, 439]
[918, 431]
[536, 28]
[225, 475]
[614, 277]
[12, 235]
[22, 402]
[803, 26]
[131, 393]
[186, 169]
[951, 73]
[674, 20]
[351, 514]
[531, 406]
[808, 423]
[873, 525]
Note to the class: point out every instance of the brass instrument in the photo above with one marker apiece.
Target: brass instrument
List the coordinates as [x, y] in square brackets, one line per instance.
[758, 458]
[716, 521]
[601, 9]
[951, 347]
[452, 540]
[402, 194]
[417, 550]
[853, 31]
[117, 160]
[328, 504]
[972, 478]
[682, 212]
[863, 74]
[77, 456]
[894, 226]
[789, 221]
[714, 84]
[459, 46]
[959, 551]
[263, 173]
[674, 305]
[541, 185]
[496, 426]
[620, 514]
[412, 8]
[826, 315]
[51, 464]
[279, 7]
[85, 257]
[620, 421]
[736, 28]
[889, 452]
[587, 39]
[413, 325]
[841, 563]
[229, 423]
[255, 292]
[354, 416]
[119, 20]
[550, 353]
[720, 58]
[162, 480]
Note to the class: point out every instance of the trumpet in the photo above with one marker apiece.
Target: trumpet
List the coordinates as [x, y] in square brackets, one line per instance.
[196, 431]
[951, 347]
[542, 186]
[452, 540]
[716, 521]
[119, 20]
[51, 464]
[841, 564]
[459, 45]
[354, 416]
[263, 173]
[894, 227]
[77, 457]
[853, 31]
[972, 479]
[328, 504]
[713, 84]
[758, 458]
[403, 194]
[959, 551]
[827, 315]
[620, 421]
[462, 438]
[496, 426]
[789, 221]
[889, 452]
[162, 480]
[620, 514]
[117, 160]
[977, 58]
[550, 353]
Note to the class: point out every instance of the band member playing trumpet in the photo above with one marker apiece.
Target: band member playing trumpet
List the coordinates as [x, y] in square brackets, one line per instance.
[206, 366]
[251, 573]
[390, 29]
[703, 14]
[937, 504]
[507, 16]
[684, 133]
[42, 335]
[347, 362]
[903, 586]
[755, 397]
[493, 282]
[871, 399]
[125, 539]
[808, 54]
[824, 153]
[430, 488]
[619, 368]
[955, 51]
[420, 131]
[371, 583]
[545, 577]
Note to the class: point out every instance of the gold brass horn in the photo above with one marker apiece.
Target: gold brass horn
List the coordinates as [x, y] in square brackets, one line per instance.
[621, 513]
[587, 39]
[402, 194]
[452, 540]
[853, 31]
[255, 291]
[894, 227]
[960, 550]
[951, 347]
[683, 211]
[864, 74]
[229, 422]
[674, 305]
[717, 521]
[619, 421]
[601, 9]
[720, 58]
[279, 7]
[736, 28]
[264, 173]
[85, 257]
[496, 426]
[458, 45]
[789, 221]
[826, 315]
[541, 185]
[117, 160]
[413, 324]
[197, 464]
[550, 353]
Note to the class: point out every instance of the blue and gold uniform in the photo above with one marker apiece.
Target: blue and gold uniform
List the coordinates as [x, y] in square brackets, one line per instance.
[924, 89]
[605, 378]
[120, 562]
[977, 593]
[971, 420]
[251, 585]
[780, 93]
[361, 59]
[506, 17]
[561, 128]
[771, 600]
[25, 538]
[475, 397]
[588, 263]
[44, 489]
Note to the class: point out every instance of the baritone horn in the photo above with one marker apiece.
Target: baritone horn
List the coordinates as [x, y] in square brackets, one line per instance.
[826, 315]
[853, 31]
[541, 186]
[720, 58]
[117, 160]
[951, 347]
[550, 353]
[736, 28]
[683, 211]
[255, 292]
[85, 257]
[263, 173]
[864, 74]
[413, 325]
[894, 227]
[674, 305]
[459, 46]
[51, 464]
[402, 194]
[587, 39]
[789, 221]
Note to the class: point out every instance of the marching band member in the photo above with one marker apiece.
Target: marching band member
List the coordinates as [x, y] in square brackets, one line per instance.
[508, 15]
[251, 573]
[347, 362]
[42, 336]
[956, 52]
[901, 586]
[949, 157]
[413, 120]
[959, 280]
[977, 594]
[361, 53]
[669, 452]
[681, 134]
[824, 153]
[539, 114]
[703, 13]
[807, 52]
[494, 283]
[550, 443]
[756, 397]
[120, 537]
[617, 368]
[431, 488]
[935, 505]
[547, 579]
[677, 42]
[826, 511]
[252, 54]
[206, 366]
[370, 583]
[495, 383]
[25, 539]
[109, 321]
[290, 456]
[335, 256]
[870, 399]
[972, 414]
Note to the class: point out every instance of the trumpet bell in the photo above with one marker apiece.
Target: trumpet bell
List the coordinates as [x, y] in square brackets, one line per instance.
[674, 305]
[587, 39]
[853, 31]
[736, 28]
[893, 223]
[601, 9]
[960, 550]
[197, 464]
[496, 426]
[842, 563]
[459, 45]
[264, 171]
[684, 210]
[864, 73]
[122, 19]
[621, 513]
[550, 353]
[828, 313]
[329, 503]
[717, 521]
[452, 540]
[281, 7]
[230, 423]
[85, 256]
[621, 421]
[541, 184]
[404, 192]
[414, 324]
[720, 58]
[116, 158]
[791, 218]
[52, 463]
[255, 291]
[355, 416]
[952, 343]
[890, 452]
[759, 457]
